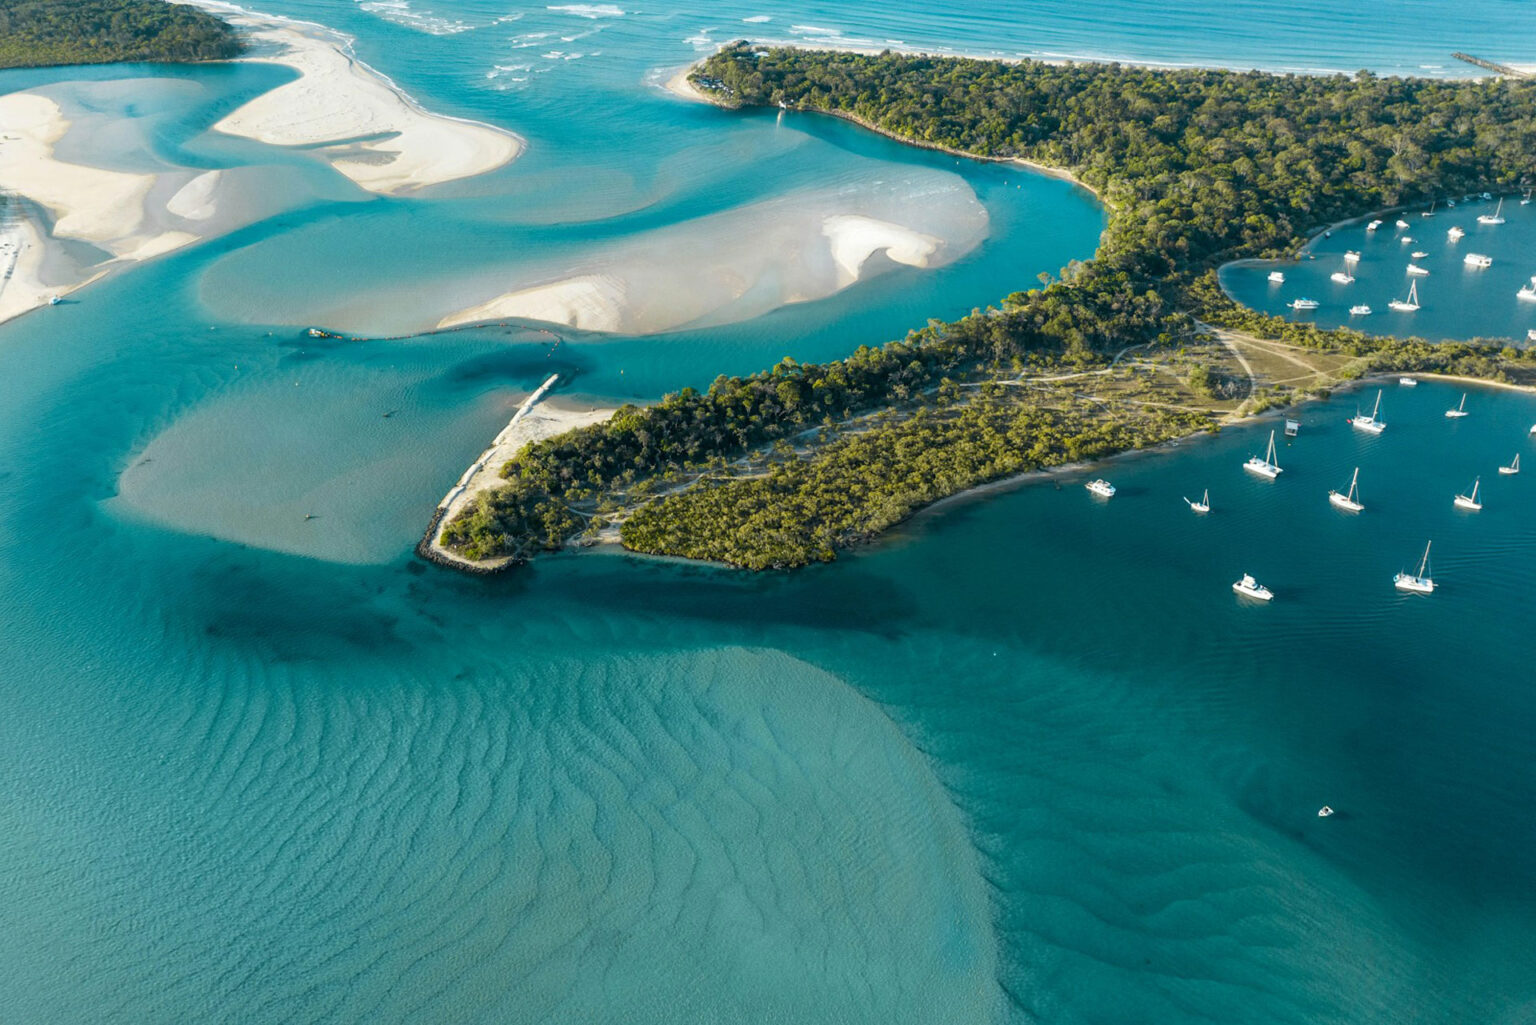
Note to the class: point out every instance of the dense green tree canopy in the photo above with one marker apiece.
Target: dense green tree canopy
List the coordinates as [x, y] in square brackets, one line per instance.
[36, 33]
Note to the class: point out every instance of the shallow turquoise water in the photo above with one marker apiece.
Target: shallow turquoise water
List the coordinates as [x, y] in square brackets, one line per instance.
[1028, 759]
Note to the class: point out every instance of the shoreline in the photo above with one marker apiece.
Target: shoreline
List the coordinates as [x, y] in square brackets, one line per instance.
[338, 101]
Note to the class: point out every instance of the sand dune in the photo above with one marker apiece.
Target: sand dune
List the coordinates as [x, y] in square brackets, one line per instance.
[356, 118]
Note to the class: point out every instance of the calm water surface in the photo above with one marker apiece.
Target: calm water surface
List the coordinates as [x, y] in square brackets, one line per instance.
[1029, 759]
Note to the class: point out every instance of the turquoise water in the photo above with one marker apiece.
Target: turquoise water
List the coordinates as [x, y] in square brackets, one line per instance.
[1028, 759]
[1457, 301]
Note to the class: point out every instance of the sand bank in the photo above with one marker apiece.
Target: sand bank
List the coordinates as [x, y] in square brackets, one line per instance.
[534, 421]
[854, 239]
[354, 117]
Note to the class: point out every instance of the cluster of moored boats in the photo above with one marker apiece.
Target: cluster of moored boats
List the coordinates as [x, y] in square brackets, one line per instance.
[1410, 302]
[1420, 581]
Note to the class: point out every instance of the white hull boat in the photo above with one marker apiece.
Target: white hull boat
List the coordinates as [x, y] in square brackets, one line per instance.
[1408, 382]
[1410, 304]
[1266, 467]
[1361, 310]
[1304, 304]
[1454, 234]
[1513, 468]
[1477, 260]
[1416, 271]
[1276, 278]
[1460, 411]
[1369, 424]
[1471, 502]
[1420, 582]
[1101, 487]
[1251, 588]
[1339, 277]
[1497, 217]
[1349, 500]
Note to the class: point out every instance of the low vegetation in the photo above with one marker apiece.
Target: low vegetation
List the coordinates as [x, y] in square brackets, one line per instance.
[38, 33]
[1198, 167]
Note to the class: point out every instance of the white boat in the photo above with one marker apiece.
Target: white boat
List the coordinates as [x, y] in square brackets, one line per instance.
[1470, 502]
[1513, 468]
[1527, 292]
[1460, 410]
[1408, 382]
[1351, 257]
[1276, 278]
[1326, 811]
[1251, 588]
[1420, 582]
[1402, 223]
[1410, 304]
[1349, 500]
[1202, 506]
[1530, 334]
[1101, 487]
[1342, 277]
[1454, 234]
[1369, 423]
[1304, 304]
[1373, 226]
[1406, 239]
[1477, 260]
[1431, 211]
[1266, 467]
[1417, 271]
[1419, 254]
[1361, 310]
[1497, 217]
[54, 300]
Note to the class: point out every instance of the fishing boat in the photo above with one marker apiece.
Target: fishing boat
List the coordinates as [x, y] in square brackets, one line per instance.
[1351, 257]
[1454, 234]
[1276, 278]
[1266, 467]
[1402, 223]
[1477, 260]
[1527, 292]
[1408, 382]
[1373, 226]
[1362, 310]
[1418, 254]
[1202, 506]
[1460, 410]
[1251, 588]
[1348, 500]
[1497, 217]
[1304, 304]
[1416, 271]
[1470, 502]
[1420, 582]
[1513, 468]
[1410, 304]
[1101, 487]
[1326, 811]
[1369, 423]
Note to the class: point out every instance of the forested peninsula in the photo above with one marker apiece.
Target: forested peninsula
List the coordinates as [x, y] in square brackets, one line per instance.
[40, 33]
[1134, 347]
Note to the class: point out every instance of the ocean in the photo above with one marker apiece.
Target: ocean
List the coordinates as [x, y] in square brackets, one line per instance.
[1026, 759]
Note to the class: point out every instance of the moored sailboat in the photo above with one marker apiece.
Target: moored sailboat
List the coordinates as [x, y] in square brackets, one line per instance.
[1410, 304]
[1470, 502]
[1419, 583]
[1461, 409]
[1513, 468]
[1349, 500]
[1202, 506]
[1369, 423]
[1266, 467]
[1497, 217]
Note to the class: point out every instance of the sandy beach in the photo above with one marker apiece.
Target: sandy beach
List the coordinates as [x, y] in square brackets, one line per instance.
[354, 117]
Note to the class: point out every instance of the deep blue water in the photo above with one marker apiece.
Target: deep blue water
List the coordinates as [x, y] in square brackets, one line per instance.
[1028, 759]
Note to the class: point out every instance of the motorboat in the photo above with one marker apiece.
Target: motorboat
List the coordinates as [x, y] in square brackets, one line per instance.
[1276, 278]
[1304, 304]
[1266, 467]
[1351, 257]
[1251, 588]
[1513, 468]
[1470, 502]
[1369, 424]
[1402, 223]
[1527, 292]
[1419, 583]
[1497, 217]
[1419, 254]
[1373, 226]
[1202, 506]
[1101, 487]
[1408, 382]
[1342, 277]
[1460, 410]
[1325, 811]
[1410, 304]
[1361, 310]
[1406, 239]
[1417, 271]
[1454, 234]
[1348, 500]
[54, 300]
[1530, 334]
[1477, 260]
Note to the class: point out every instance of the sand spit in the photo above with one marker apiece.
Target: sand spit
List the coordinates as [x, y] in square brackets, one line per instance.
[533, 421]
[354, 117]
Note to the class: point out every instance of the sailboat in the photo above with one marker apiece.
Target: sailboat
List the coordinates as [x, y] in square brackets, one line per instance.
[1202, 506]
[1266, 467]
[1343, 277]
[1431, 211]
[1420, 582]
[1410, 304]
[1349, 500]
[1470, 502]
[1369, 423]
[1459, 411]
[1513, 468]
[1497, 217]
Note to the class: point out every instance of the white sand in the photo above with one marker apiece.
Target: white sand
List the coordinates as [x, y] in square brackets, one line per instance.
[855, 239]
[589, 302]
[194, 200]
[356, 118]
[21, 257]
